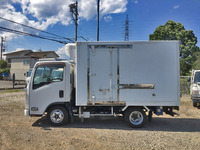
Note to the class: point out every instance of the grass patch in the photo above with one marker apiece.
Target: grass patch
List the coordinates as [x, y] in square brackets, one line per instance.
[12, 91]
[184, 86]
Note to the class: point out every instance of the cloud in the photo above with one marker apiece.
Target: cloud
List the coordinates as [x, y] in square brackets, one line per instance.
[176, 6]
[85, 9]
[135, 1]
[113, 6]
[19, 49]
[88, 9]
[8, 11]
[108, 18]
[62, 53]
[43, 13]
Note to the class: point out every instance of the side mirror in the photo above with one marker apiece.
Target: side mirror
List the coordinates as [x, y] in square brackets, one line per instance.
[188, 79]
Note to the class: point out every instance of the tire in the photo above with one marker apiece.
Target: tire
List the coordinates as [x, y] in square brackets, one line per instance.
[135, 117]
[194, 104]
[150, 116]
[58, 115]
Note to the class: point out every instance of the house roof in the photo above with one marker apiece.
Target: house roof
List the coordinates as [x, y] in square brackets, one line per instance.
[30, 53]
[17, 53]
[42, 54]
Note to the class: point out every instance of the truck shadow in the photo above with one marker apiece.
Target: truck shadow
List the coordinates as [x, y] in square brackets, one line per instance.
[157, 124]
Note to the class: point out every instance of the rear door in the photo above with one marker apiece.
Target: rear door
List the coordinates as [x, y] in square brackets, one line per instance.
[103, 74]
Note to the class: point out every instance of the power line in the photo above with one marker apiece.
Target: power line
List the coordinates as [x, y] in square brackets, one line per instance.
[86, 32]
[35, 29]
[29, 34]
[82, 38]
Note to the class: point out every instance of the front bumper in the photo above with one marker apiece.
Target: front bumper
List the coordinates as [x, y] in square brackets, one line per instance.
[196, 99]
[26, 112]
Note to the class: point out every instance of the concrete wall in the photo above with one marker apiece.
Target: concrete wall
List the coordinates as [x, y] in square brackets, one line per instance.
[33, 61]
[20, 66]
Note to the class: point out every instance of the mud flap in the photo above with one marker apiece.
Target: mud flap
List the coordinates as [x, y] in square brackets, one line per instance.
[69, 109]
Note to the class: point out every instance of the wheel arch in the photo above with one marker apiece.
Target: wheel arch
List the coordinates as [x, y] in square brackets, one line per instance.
[64, 104]
[54, 104]
[126, 108]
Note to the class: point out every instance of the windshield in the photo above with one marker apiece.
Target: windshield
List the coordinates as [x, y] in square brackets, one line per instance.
[57, 74]
[29, 73]
[197, 77]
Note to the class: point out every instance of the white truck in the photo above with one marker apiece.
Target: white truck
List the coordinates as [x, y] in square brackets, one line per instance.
[195, 87]
[129, 79]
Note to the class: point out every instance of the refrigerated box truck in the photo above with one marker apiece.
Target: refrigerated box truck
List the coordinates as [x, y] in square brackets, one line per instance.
[195, 87]
[128, 79]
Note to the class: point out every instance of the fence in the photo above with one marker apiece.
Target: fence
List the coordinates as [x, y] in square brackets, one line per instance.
[184, 85]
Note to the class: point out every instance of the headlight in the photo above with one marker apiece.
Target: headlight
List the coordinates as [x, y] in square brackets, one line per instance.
[195, 94]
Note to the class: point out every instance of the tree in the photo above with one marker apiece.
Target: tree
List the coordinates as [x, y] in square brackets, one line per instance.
[3, 68]
[196, 64]
[188, 49]
[3, 64]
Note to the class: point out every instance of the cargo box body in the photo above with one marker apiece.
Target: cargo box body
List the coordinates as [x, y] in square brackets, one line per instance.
[127, 73]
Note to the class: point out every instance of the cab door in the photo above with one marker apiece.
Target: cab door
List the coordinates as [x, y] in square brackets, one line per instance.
[47, 86]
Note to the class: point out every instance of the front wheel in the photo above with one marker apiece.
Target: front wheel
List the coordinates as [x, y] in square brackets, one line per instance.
[135, 117]
[194, 104]
[58, 115]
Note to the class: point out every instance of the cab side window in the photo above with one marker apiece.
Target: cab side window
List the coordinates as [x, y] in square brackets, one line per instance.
[47, 74]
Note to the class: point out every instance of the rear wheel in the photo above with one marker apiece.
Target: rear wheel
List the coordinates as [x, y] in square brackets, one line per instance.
[135, 117]
[58, 115]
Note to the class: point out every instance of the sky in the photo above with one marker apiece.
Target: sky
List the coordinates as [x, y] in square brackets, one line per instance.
[54, 17]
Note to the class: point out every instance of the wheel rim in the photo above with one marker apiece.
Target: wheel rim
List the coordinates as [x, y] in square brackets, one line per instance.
[136, 117]
[56, 116]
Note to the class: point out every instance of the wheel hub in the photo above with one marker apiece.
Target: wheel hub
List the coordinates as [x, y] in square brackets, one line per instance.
[136, 117]
[57, 116]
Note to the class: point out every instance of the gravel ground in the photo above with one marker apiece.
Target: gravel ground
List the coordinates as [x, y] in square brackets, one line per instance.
[20, 132]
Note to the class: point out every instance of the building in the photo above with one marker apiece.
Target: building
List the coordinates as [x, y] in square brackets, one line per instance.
[22, 61]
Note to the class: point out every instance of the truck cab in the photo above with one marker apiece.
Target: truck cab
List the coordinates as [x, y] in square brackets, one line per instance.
[195, 87]
[49, 85]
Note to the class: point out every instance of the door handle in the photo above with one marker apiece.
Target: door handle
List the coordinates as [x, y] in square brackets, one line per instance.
[104, 90]
[61, 94]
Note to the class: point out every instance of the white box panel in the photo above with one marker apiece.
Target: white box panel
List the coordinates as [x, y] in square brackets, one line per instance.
[150, 62]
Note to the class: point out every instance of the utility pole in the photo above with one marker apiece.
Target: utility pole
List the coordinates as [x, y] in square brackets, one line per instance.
[98, 20]
[1, 47]
[126, 34]
[74, 11]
